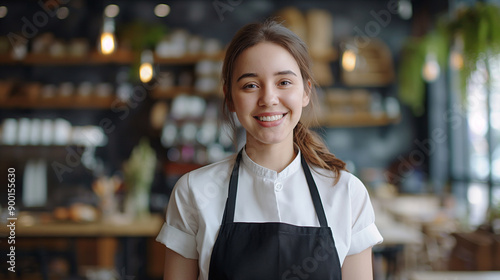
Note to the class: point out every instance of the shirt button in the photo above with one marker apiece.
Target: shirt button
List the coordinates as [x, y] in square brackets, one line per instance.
[278, 187]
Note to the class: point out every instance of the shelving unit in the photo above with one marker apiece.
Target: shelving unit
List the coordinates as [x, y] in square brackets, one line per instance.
[70, 102]
[24, 151]
[118, 57]
[172, 92]
[357, 120]
[121, 57]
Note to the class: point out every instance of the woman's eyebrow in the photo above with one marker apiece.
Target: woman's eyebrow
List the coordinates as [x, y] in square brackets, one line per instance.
[253, 75]
[246, 75]
[285, 72]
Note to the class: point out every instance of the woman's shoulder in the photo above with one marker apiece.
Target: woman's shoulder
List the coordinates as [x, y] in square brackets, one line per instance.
[344, 175]
[346, 179]
[221, 165]
[214, 172]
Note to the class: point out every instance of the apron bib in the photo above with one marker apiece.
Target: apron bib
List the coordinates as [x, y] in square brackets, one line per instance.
[272, 251]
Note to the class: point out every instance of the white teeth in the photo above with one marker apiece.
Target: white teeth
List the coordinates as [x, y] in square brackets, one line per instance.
[270, 118]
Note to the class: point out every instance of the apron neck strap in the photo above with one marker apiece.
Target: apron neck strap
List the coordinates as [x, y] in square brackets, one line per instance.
[231, 196]
[313, 189]
[233, 186]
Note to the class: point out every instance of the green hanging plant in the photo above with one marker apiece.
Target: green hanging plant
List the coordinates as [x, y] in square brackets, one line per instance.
[479, 28]
[411, 84]
[140, 35]
[415, 51]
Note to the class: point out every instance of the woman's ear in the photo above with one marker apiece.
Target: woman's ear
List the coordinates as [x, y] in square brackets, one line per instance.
[307, 93]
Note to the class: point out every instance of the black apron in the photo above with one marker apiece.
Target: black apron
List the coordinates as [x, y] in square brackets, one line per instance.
[273, 251]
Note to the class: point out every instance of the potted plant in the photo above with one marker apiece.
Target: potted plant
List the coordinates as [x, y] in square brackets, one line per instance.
[138, 173]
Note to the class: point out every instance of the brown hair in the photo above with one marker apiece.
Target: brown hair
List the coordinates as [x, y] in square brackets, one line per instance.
[310, 144]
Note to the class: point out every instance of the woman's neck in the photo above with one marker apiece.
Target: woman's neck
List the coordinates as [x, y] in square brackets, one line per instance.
[272, 156]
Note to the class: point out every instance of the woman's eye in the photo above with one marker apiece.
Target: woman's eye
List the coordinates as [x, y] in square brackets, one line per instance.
[250, 86]
[285, 83]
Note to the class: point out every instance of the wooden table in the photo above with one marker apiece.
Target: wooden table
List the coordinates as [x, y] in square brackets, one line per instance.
[106, 236]
[31, 226]
[456, 275]
[396, 250]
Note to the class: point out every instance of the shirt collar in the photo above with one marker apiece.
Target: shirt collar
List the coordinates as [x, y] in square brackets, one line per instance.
[267, 173]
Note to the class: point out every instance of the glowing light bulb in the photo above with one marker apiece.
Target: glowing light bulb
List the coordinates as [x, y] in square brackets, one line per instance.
[62, 13]
[162, 10]
[456, 60]
[108, 40]
[431, 68]
[107, 43]
[3, 11]
[349, 60]
[146, 71]
[111, 10]
[405, 9]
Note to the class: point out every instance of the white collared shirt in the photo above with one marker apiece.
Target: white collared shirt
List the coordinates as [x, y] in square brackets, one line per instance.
[196, 206]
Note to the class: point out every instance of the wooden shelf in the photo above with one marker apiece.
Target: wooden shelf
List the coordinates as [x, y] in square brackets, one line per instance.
[119, 57]
[175, 91]
[171, 92]
[187, 59]
[356, 120]
[72, 102]
[22, 153]
[148, 226]
[95, 58]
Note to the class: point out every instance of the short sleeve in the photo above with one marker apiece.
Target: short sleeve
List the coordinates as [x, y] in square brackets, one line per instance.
[178, 233]
[365, 233]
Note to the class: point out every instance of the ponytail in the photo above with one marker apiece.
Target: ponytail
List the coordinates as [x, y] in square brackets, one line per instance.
[315, 151]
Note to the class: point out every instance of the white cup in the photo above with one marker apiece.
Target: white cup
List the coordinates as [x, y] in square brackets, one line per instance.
[62, 131]
[47, 132]
[36, 131]
[9, 131]
[23, 132]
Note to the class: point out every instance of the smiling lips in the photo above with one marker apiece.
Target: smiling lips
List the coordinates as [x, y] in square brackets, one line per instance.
[270, 118]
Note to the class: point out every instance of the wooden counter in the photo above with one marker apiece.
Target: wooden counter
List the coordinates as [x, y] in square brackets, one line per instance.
[93, 244]
[456, 275]
[31, 227]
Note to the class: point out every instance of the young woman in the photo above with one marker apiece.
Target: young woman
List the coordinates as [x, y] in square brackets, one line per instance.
[284, 207]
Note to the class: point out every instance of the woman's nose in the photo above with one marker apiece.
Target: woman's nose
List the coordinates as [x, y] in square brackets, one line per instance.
[268, 96]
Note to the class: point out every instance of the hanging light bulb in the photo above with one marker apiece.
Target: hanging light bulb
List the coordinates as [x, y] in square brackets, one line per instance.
[162, 10]
[349, 60]
[3, 11]
[456, 54]
[108, 40]
[456, 60]
[431, 68]
[405, 9]
[146, 69]
[111, 10]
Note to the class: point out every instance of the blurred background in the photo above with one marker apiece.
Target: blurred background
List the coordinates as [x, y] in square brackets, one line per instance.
[105, 104]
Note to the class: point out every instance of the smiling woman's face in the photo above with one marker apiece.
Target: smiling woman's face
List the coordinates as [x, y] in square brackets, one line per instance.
[268, 94]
